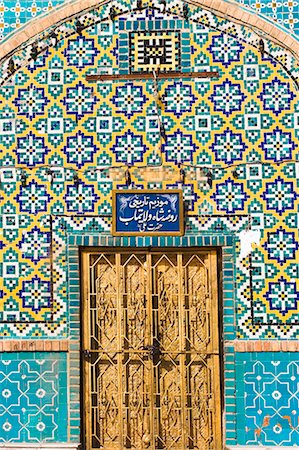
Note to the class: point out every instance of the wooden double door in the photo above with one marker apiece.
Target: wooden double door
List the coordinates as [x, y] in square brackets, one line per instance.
[150, 350]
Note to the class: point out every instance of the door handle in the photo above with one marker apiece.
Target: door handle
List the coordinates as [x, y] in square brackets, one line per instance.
[154, 350]
[86, 353]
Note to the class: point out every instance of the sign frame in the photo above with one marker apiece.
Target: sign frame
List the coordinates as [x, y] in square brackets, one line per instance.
[178, 192]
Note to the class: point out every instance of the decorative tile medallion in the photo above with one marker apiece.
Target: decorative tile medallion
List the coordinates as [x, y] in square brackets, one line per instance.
[157, 50]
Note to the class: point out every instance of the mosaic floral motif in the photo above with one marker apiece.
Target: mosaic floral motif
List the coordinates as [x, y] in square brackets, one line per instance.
[55, 125]
[276, 96]
[129, 148]
[252, 71]
[105, 41]
[228, 147]
[104, 124]
[278, 145]
[129, 99]
[81, 52]
[225, 49]
[178, 98]
[12, 268]
[179, 147]
[35, 244]
[36, 294]
[80, 149]
[37, 404]
[33, 198]
[280, 195]
[31, 150]
[281, 245]
[31, 101]
[56, 76]
[283, 296]
[230, 196]
[79, 100]
[227, 97]
[12, 222]
[291, 120]
[81, 198]
[8, 180]
[190, 197]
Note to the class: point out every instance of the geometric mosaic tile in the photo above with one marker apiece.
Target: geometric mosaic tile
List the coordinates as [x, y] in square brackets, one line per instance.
[154, 50]
[268, 394]
[33, 397]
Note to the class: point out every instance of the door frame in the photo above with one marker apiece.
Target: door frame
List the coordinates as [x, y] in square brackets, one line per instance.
[71, 233]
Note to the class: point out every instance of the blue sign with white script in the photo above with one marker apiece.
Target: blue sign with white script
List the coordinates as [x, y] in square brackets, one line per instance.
[150, 212]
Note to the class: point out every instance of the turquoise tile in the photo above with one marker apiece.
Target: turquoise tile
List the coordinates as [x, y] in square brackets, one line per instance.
[47, 405]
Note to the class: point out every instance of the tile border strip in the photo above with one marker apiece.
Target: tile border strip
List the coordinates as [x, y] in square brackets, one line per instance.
[264, 346]
[41, 345]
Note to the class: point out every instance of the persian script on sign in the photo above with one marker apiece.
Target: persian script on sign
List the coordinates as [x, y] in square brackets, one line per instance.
[148, 212]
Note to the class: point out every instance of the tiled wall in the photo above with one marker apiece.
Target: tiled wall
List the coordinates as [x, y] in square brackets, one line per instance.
[284, 13]
[236, 136]
[65, 143]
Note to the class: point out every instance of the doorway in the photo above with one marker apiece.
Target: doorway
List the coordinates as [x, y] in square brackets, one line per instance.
[151, 372]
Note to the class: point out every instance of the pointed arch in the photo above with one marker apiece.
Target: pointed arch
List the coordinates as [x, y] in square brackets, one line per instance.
[227, 9]
[249, 27]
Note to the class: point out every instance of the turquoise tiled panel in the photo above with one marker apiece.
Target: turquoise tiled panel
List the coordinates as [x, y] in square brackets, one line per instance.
[33, 397]
[267, 398]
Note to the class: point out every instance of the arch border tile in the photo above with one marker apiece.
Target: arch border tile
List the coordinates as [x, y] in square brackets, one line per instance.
[227, 9]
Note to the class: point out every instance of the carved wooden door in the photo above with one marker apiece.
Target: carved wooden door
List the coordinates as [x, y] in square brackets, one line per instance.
[151, 351]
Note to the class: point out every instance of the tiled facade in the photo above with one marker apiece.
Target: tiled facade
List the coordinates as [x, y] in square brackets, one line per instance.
[66, 142]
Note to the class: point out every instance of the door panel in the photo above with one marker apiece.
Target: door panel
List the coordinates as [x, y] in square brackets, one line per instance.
[136, 370]
[151, 365]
